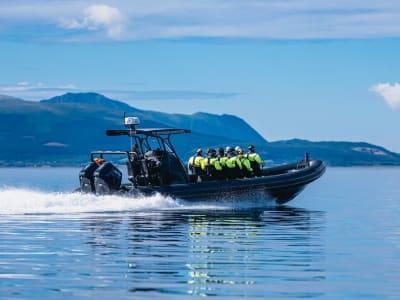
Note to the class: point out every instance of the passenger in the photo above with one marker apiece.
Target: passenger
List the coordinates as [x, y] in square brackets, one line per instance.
[240, 172]
[196, 163]
[134, 154]
[233, 164]
[246, 165]
[215, 166]
[207, 162]
[222, 161]
[134, 165]
[255, 161]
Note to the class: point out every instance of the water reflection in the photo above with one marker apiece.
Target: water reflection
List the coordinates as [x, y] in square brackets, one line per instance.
[253, 249]
[237, 253]
[275, 252]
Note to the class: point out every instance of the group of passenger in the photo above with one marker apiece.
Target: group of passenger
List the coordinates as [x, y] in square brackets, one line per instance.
[226, 164]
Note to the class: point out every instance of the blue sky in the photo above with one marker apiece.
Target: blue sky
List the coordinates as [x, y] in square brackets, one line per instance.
[292, 69]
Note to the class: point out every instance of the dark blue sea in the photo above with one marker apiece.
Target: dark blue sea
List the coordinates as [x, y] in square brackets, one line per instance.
[339, 239]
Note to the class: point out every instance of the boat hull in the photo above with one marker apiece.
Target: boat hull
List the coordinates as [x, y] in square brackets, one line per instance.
[280, 184]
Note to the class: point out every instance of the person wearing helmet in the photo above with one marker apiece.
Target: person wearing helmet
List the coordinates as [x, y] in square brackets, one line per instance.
[134, 165]
[246, 165]
[207, 162]
[227, 155]
[196, 163]
[222, 158]
[215, 168]
[233, 164]
[255, 160]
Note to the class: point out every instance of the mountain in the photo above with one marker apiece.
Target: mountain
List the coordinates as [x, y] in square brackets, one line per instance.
[92, 99]
[6, 98]
[62, 131]
[334, 153]
[198, 123]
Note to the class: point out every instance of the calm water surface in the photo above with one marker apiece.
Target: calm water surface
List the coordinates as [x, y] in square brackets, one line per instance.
[340, 239]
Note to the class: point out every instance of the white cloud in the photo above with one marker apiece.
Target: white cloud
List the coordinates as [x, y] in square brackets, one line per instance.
[97, 17]
[37, 91]
[389, 93]
[40, 91]
[161, 19]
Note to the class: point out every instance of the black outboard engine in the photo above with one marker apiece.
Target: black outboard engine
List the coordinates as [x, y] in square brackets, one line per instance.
[107, 178]
[86, 178]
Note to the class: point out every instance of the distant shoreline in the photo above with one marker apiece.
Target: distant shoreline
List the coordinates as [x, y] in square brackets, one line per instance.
[43, 166]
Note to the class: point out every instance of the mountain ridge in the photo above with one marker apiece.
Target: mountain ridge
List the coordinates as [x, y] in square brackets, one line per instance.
[194, 122]
[62, 130]
[89, 98]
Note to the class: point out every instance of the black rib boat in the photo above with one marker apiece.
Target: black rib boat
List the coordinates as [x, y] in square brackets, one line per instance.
[156, 168]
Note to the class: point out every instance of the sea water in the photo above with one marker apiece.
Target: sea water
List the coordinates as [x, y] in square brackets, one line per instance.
[339, 239]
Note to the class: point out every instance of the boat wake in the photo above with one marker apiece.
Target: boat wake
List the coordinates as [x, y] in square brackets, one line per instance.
[26, 201]
[16, 201]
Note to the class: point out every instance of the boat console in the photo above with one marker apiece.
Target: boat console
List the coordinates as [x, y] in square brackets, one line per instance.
[155, 163]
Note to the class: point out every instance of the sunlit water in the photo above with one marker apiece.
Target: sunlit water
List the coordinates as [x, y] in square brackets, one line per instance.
[339, 239]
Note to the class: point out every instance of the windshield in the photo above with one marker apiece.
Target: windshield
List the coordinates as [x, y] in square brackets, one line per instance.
[168, 148]
[157, 143]
[153, 143]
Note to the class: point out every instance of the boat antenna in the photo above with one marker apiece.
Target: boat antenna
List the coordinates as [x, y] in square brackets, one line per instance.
[130, 122]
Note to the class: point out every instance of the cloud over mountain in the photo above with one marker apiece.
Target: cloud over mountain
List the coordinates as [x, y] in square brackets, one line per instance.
[389, 93]
[97, 17]
[159, 19]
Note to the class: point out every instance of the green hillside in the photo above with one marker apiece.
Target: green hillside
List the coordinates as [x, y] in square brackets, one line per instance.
[64, 129]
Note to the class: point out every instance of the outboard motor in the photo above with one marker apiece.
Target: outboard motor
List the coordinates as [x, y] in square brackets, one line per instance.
[86, 178]
[107, 178]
